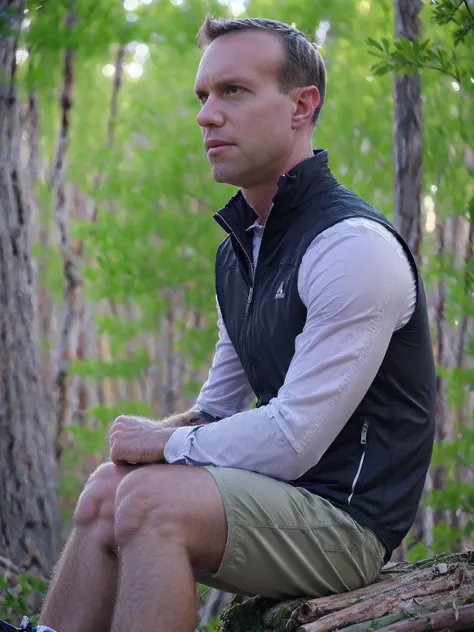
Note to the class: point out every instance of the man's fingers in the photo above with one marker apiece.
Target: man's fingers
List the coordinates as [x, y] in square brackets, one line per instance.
[122, 419]
[121, 422]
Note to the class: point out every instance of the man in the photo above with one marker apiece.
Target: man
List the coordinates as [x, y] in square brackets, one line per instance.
[322, 317]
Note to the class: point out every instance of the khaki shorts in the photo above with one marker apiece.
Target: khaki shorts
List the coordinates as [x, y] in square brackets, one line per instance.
[283, 541]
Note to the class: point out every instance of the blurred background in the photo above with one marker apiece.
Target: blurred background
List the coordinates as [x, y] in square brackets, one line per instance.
[108, 241]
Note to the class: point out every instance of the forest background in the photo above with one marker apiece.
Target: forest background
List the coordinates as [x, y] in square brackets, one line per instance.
[107, 242]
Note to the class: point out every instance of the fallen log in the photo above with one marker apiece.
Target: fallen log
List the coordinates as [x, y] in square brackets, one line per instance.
[427, 596]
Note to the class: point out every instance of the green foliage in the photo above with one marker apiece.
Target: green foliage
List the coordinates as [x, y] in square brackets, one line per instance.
[457, 13]
[128, 367]
[407, 57]
[457, 495]
[245, 616]
[418, 552]
[50, 263]
[210, 627]
[17, 593]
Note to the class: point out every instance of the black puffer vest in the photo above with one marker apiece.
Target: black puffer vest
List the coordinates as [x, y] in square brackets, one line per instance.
[376, 467]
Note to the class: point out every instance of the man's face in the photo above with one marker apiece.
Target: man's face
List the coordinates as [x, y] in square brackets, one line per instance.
[244, 118]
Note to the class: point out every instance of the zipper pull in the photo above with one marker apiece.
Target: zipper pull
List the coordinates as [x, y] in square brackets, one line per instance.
[363, 434]
[249, 300]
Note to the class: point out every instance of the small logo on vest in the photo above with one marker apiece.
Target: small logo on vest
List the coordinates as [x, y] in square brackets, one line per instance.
[280, 293]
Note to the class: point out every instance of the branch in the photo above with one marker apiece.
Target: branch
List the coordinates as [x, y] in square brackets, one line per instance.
[393, 603]
[376, 600]
[66, 105]
[456, 10]
[118, 75]
[9, 566]
[460, 618]
[116, 89]
[407, 597]
[201, 201]
[420, 66]
[466, 4]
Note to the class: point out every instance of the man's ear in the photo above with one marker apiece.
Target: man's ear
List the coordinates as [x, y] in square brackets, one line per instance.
[305, 101]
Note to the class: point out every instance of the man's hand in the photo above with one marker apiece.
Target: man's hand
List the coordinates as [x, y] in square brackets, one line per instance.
[138, 440]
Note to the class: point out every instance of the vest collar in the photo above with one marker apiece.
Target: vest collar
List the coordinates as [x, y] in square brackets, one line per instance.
[300, 184]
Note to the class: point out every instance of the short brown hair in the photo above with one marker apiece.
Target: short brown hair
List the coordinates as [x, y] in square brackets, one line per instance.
[303, 64]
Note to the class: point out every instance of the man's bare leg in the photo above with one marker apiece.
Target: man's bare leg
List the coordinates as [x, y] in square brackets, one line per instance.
[82, 593]
[169, 519]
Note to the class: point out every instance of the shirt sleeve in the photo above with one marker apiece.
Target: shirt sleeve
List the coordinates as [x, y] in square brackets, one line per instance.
[354, 283]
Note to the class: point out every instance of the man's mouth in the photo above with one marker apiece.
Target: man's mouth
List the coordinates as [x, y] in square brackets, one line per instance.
[216, 146]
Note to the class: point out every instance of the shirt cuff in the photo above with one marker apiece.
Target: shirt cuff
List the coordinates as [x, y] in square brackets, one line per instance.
[175, 447]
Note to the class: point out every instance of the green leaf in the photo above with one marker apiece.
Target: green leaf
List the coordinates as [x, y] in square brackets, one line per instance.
[386, 44]
[374, 44]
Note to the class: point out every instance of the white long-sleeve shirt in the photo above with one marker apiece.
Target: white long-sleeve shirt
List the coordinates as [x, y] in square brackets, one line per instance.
[358, 288]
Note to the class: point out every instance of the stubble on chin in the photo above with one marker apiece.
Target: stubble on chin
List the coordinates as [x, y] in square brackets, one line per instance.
[226, 174]
[222, 174]
[217, 174]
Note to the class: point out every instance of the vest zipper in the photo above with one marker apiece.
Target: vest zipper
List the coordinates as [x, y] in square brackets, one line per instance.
[252, 268]
[363, 441]
[249, 301]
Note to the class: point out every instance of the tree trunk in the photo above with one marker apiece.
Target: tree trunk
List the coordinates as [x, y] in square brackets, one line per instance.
[72, 276]
[27, 494]
[435, 594]
[407, 144]
[408, 134]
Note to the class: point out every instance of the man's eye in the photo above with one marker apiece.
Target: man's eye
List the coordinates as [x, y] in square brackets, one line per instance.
[234, 89]
[203, 98]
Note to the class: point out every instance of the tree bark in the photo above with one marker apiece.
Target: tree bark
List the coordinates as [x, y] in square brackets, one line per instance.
[72, 276]
[408, 134]
[407, 146]
[27, 490]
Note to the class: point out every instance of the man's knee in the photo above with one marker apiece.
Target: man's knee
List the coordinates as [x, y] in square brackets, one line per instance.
[97, 499]
[143, 501]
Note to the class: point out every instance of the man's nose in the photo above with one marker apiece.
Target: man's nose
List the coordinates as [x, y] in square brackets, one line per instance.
[210, 114]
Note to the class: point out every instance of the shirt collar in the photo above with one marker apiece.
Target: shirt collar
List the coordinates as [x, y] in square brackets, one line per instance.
[256, 224]
[295, 188]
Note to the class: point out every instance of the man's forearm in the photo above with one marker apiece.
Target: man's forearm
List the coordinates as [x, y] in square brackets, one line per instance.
[188, 419]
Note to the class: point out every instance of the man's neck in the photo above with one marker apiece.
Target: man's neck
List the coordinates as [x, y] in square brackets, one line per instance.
[260, 199]
[260, 196]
